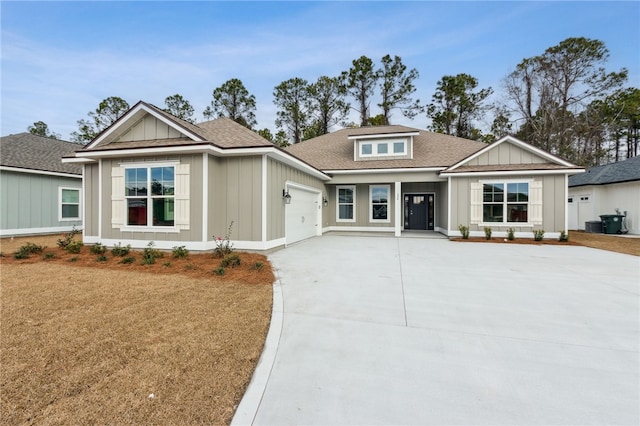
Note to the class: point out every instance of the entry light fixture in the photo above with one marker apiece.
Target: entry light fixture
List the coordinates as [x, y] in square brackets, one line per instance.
[325, 202]
[286, 196]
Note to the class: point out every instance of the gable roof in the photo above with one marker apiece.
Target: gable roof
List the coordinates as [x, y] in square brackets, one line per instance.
[622, 171]
[335, 151]
[36, 153]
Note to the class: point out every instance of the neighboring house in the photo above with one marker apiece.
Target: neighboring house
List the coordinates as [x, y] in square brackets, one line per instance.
[153, 177]
[39, 194]
[602, 190]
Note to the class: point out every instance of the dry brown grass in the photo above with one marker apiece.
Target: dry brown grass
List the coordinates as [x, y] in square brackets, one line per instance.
[87, 345]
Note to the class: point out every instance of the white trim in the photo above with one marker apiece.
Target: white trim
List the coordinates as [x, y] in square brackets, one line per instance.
[371, 219]
[263, 216]
[84, 186]
[550, 157]
[397, 208]
[290, 184]
[154, 163]
[566, 203]
[505, 203]
[190, 245]
[205, 196]
[449, 228]
[390, 148]
[359, 229]
[382, 135]
[39, 172]
[100, 184]
[353, 188]
[37, 231]
[60, 203]
[74, 160]
[144, 229]
[512, 173]
[398, 170]
[122, 121]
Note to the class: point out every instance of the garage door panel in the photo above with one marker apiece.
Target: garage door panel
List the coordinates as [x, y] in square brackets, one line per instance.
[301, 215]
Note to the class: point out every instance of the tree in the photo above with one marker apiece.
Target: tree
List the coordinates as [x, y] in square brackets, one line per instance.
[455, 105]
[108, 111]
[552, 90]
[326, 104]
[623, 119]
[360, 82]
[40, 128]
[265, 133]
[234, 101]
[179, 107]
[290, 97]
[396, 88]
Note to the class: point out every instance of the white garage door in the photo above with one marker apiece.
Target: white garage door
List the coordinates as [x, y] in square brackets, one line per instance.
[301, 216]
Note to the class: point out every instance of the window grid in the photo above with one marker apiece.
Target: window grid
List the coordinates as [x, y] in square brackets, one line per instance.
[150, 208]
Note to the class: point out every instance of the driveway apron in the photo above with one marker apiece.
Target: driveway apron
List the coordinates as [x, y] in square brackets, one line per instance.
[382, 330]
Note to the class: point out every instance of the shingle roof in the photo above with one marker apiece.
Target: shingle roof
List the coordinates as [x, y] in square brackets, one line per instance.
[334, 151]
[622, 171]
[29, 151]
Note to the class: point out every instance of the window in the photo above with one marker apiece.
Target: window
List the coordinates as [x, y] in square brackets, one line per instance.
[379, 203]
[383, 148]
[69, 204]
[399, 148]
[366, 149]
[499, 206]
[149, 194]
[346, 203]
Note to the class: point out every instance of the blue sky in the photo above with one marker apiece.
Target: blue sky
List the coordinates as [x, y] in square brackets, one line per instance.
[60, 59]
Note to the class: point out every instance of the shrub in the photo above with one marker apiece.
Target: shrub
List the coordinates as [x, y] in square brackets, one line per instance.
[223, 245]
[538, 234]
[128, 259]
[28, 249]
[230, 260]
[564, 237]
[74, 246]
[487, 232]
[101, 258]
[98, 249]
[257, 266]
[464, 230]
[118, 250]
[150, 254]
[180, 252]
[219, 271]
[511, 234]
[49, 255]
[67, 238]
[166, 264]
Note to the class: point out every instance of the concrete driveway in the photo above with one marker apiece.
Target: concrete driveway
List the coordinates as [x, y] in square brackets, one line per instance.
[382, 330]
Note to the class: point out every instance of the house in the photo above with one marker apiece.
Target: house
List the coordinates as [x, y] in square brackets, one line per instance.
[153, 177]
[38, 193]
[602, 190]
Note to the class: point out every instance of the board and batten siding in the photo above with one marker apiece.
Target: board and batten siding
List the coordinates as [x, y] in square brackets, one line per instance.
[92, 199]
[278, 174]
[30, 201]
[149, 128]
[362, 208]
[194, 233]
[553, 203]
[506, 153]
[235, 195]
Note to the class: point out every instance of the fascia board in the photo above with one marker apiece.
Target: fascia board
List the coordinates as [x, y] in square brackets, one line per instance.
[382, 135]
[514, 173]
[39, 172]
[399, 170]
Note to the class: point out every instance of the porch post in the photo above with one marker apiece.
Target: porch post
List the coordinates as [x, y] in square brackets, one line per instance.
[398, 208]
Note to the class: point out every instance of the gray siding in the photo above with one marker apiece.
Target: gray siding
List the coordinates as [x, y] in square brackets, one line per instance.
[361, 207]
[32, 201]
[91, 200]
[194, 233]
[504, 154]
[149, 128]
[277, 176]
[235, 195]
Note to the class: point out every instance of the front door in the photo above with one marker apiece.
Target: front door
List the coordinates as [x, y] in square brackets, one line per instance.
[419, 211]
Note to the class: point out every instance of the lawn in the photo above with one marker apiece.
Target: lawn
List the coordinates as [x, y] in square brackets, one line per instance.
[102, 342]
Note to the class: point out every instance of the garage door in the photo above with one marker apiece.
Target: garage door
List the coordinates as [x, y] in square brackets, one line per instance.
[301, 216]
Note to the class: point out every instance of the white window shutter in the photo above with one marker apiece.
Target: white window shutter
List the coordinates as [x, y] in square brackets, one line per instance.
[182, 196]
[117, 197]
[535, 202]
[476, 203]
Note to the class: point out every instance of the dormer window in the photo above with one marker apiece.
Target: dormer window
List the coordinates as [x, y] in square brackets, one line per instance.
[384, 148]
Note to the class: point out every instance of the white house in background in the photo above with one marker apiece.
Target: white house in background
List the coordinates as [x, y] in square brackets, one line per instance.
[38, 194]
[602, 190]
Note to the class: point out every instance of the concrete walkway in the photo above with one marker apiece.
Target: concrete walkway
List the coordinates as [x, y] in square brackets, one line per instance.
[381, 330]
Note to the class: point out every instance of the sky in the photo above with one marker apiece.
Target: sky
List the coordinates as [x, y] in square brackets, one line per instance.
[60, 59]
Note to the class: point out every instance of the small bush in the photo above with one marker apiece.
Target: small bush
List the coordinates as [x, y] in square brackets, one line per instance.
[180, 252]
[101, 258]
[464, 230]
[74, 259]
[219, 271]
[27, 250]
[223, 245]
[118, 250]
[166, 264]
[564, 237]
[128, 259]
[74, 246]
[98, 249]
[511, 234]
[257, 266]
[150, 254]
[487, 232]
[538, 234]
[230, 261]
[49, 255]
[67, 238]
